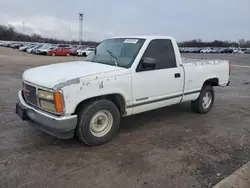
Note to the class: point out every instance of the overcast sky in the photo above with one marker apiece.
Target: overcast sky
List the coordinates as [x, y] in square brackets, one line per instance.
[183, 19]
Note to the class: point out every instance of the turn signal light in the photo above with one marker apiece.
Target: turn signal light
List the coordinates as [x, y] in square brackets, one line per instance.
[58, 102]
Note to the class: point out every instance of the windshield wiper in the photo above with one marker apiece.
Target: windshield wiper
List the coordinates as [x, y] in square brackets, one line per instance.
[114, 57]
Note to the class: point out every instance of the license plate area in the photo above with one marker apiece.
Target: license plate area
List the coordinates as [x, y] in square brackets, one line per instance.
[21, 113]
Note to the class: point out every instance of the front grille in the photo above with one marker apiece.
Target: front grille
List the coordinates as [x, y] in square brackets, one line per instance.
[29, 93]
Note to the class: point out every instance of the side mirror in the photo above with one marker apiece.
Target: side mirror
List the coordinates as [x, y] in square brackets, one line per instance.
[148, 63]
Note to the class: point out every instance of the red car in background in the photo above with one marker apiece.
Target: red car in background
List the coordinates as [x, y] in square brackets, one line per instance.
[59, 52]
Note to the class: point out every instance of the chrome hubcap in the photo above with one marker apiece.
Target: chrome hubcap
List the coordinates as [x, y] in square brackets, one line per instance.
[101, 123]
[207, 100]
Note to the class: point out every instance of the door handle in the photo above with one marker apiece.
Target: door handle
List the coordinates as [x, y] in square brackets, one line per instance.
[177, 75]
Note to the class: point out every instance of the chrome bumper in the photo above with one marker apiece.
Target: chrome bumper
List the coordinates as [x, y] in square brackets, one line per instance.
[61, 127]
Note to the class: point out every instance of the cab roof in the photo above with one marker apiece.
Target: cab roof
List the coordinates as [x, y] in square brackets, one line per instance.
[150, 37]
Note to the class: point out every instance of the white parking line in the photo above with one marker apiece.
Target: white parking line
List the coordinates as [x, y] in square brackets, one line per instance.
[240, 66]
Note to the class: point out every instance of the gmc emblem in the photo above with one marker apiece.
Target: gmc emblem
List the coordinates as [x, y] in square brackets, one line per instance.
[26, 92]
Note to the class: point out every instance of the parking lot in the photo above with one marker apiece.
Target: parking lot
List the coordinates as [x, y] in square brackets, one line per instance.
[169, 147]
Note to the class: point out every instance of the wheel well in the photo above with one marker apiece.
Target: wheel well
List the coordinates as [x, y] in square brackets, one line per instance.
[212, 82]
[117, 99]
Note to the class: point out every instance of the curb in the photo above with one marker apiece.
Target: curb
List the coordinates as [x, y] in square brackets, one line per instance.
[239, 179]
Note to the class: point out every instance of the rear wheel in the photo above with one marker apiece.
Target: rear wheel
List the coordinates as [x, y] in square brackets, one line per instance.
[98, 122]
[205, 100]
[67, 54]
[53, 54]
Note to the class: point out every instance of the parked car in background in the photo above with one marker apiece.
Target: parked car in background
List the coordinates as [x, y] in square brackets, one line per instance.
[247, 51]
[217, 50]
[238, 51]
[243, 49]
[34, 51]
[30, 50]
[6, 44]
[85, 52]
[59, 52]
[192, 50]
[227, 50]
[9, 44]
[25, 47]
[73, 51]
[44, 49]
[188, 50]
[214, 50]
[17, 45]
[12, 45]
[197, 50]
[207, 50]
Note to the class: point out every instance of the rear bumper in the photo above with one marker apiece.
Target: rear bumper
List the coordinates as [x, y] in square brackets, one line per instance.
[60, 127]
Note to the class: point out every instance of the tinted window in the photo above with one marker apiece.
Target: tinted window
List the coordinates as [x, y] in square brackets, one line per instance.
[162, 51]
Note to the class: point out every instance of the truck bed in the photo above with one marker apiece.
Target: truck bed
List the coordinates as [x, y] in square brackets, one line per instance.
[197, 71]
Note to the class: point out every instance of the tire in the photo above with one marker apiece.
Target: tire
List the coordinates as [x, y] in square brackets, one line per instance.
[84, 54]
[92, 111]
[67, 54]
[198, 105]
[53, 54]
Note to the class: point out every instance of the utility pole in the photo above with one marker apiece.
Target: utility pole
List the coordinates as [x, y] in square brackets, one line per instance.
[23, 29]
[80, 28]
[70, 34]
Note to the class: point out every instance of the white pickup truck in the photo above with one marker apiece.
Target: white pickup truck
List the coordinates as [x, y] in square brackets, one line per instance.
[121, 77]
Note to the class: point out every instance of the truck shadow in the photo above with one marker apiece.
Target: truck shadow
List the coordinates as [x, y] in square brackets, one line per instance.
[128, 125]
[169, 113]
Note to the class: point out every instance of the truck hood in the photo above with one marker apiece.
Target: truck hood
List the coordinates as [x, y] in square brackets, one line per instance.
[50, 75]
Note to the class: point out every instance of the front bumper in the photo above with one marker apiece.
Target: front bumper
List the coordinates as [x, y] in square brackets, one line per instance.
[60, 127]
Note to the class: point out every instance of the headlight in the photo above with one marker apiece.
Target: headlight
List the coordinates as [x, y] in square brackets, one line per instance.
[45, 95]
[51, 101]
[48, 105]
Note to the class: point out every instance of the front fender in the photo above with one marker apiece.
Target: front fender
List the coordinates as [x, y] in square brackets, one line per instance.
[78, 92]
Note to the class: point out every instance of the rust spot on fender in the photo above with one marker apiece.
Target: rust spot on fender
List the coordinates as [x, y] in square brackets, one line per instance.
[86, 84]
[101, 85]
[67, 83]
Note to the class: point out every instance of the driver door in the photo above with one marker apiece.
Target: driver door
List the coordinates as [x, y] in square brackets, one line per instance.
[159, 86]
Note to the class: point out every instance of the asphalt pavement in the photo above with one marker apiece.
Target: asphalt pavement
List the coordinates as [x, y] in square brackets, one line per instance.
[168, 147]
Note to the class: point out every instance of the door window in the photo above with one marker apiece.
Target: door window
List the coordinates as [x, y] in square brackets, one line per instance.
[162, 51]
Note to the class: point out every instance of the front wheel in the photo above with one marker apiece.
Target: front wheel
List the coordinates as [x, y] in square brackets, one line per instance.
[205, 100]
[98, 122]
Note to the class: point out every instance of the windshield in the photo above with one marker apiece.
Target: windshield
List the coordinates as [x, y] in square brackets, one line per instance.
[125, 51]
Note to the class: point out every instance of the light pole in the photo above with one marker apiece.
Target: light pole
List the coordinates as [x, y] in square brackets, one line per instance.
[23, 29]
[80, 28]
[70, 34]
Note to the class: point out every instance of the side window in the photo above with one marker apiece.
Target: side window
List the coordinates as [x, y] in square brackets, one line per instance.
[162, 51]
